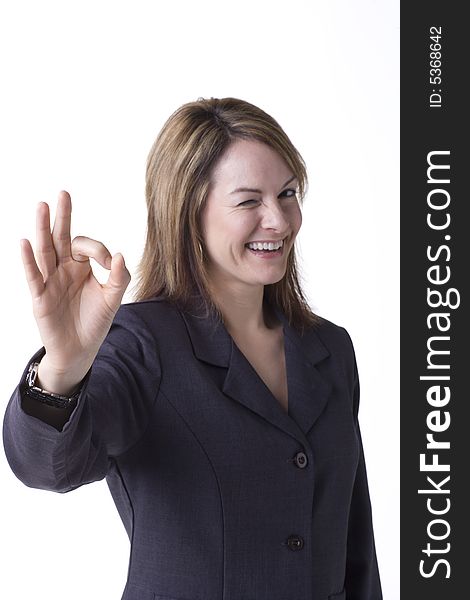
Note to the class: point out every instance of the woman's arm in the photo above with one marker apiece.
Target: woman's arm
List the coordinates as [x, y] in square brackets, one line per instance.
[110, 415]
[362, 574]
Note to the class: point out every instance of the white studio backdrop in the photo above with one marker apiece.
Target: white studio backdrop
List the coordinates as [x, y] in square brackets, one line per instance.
[86, 86]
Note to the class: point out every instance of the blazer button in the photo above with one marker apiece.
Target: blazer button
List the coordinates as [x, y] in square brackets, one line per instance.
[300, 460]
[295, 542]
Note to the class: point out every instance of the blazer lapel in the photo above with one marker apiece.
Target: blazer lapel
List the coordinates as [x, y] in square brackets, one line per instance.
[243, 384]
[307, 390]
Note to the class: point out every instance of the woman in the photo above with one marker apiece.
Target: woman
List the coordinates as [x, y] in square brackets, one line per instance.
[220, 409]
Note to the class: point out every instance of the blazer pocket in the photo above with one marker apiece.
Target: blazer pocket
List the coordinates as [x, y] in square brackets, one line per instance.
[135, 592]
[160, 597]
[340, 596]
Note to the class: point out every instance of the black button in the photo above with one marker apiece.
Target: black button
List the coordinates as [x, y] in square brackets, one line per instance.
[295, 542]
[300, 460]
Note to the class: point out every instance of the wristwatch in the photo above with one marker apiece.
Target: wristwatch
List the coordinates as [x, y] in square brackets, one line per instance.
[37, 393]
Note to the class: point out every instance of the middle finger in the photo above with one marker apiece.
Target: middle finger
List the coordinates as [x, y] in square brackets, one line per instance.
[61, 229]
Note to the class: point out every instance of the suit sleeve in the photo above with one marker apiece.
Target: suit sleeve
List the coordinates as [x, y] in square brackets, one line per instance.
[110, 416]
[362, 575]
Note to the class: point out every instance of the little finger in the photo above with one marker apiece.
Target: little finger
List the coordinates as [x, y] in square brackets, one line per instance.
[33, 274]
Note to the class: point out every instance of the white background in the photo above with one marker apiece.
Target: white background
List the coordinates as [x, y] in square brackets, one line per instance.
[86, 86]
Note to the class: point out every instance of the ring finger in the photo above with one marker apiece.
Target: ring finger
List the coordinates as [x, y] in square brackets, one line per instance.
[46, 256]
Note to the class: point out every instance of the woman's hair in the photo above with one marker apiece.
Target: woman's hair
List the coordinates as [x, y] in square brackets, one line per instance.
[179, 170]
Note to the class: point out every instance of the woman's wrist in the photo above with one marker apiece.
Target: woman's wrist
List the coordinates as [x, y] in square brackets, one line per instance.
[59, 383]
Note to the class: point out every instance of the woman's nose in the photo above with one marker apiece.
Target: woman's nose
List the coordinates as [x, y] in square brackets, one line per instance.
[274, 217]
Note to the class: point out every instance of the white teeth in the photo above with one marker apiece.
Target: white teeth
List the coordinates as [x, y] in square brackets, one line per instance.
[265, 245]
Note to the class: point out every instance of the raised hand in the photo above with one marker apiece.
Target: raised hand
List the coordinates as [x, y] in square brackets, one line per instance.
[72, 309]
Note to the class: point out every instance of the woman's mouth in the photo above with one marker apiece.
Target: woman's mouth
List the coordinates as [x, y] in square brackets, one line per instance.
[266, 249]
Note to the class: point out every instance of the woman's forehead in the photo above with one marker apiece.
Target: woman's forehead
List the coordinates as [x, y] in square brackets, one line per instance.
[249, 163]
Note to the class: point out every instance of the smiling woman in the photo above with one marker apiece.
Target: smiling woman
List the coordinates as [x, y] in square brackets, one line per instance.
[238, 232]
[221, 410]
[231, 176]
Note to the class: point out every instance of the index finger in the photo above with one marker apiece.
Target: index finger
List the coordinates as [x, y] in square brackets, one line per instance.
[61, 230]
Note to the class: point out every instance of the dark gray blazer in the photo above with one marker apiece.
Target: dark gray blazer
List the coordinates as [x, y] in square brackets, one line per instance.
[224, 495]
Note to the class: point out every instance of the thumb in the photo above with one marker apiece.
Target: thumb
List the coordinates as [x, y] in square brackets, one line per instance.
[118, 281]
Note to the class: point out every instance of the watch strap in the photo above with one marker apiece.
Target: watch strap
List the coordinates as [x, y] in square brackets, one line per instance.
[41, 395]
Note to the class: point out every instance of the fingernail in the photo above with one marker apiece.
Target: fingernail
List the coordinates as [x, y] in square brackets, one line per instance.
[108, 262]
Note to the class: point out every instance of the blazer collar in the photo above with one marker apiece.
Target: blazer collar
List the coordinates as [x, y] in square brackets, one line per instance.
[308, 391]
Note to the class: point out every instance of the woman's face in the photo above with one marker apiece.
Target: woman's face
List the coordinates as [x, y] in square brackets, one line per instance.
[252, 199]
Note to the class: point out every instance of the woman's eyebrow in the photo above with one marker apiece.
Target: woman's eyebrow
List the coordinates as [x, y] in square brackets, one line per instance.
[255, 190]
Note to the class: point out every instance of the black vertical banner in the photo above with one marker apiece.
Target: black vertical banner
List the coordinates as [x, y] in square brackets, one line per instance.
[435, 315]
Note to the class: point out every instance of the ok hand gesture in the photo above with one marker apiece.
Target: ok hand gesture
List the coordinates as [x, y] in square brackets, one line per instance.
[72, 309]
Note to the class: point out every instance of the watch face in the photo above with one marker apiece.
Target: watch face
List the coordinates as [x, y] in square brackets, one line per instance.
[32, 374]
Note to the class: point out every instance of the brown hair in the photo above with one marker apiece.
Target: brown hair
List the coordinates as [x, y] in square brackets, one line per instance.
[179, 168]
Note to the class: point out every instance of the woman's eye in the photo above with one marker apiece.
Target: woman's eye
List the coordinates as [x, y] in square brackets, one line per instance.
[290, 193]
[246, 202]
